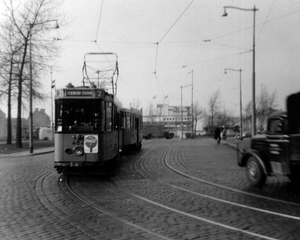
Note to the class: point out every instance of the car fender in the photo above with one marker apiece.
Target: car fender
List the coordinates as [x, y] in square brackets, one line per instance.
[258, 155]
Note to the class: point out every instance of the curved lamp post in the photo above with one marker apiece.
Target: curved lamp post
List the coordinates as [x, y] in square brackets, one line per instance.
[253, 63]
[241, 105]
[190, 85]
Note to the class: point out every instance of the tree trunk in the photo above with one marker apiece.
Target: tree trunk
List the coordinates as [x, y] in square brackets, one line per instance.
[9, 137]
[19, 110]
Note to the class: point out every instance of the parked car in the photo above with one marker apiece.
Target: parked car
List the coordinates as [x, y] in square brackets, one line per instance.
[46, 133]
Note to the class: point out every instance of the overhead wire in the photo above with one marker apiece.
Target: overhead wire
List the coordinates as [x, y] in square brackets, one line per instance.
[157, 43]
[99, 21]
[192, 41]
[176, 21]
[265, 21]
[137, 93]
[196, 40]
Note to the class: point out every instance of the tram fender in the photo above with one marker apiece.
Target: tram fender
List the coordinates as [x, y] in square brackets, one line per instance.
[260, 156]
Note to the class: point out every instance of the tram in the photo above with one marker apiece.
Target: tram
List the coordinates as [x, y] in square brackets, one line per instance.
[132, 134]
[91, 127]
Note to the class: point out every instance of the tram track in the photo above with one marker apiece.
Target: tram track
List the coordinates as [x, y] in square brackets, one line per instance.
[111, 214]
[157, 169]
[188, 168]
[184, 217]
[65, 211]
[236, 191]
[64, 207]
[184, 213]
[54, 205]
[166, 158]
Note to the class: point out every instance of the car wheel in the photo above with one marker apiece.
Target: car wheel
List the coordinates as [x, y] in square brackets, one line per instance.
[255, 172]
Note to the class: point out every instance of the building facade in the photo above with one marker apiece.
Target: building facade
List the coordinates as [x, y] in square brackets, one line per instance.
[175, 119]
[39, 119]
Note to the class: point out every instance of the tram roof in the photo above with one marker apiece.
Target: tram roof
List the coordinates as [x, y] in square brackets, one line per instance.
[133, 110]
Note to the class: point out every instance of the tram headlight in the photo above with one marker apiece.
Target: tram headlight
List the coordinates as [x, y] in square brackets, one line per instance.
[68, 150]
[78, 150]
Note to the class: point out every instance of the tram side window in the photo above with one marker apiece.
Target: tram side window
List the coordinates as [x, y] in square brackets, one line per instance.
[116, 118]
[132, 122]
[98, 116]
[127, 121]
[59, 115]
[123, 120]
[103, 115]
[108, 126]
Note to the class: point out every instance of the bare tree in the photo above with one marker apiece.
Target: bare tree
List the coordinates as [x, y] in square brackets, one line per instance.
[248, 112]
[266, 104]
[30, 25]
[213, 105]
[198, 114]
[10, 49]
[151, 115]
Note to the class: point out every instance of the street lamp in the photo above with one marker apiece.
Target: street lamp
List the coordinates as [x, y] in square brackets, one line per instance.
[181, 109]
[241, 109]
[31, 25]
[253, 63]
[192, 102]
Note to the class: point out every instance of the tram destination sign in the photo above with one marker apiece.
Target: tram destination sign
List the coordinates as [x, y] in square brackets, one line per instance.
[96, 93]
[82, 93]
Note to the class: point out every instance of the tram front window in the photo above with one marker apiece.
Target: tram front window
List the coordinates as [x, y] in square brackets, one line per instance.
[79, 115]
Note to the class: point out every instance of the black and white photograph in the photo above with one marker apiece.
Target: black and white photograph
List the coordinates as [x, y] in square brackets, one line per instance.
[135, 119]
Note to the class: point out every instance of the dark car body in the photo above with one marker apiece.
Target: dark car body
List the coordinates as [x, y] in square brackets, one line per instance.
[277, 151]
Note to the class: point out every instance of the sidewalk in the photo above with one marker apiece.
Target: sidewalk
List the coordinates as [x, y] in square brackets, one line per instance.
[26, 153]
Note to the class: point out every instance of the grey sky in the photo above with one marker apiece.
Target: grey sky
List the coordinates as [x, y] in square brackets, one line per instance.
[131, 28]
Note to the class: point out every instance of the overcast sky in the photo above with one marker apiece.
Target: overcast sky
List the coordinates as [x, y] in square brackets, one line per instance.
[159, 43]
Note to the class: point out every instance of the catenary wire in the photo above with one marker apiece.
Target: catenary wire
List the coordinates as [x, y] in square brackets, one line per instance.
[99, 21]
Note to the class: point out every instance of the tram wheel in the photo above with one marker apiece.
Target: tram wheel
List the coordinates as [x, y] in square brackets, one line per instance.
[255, 172]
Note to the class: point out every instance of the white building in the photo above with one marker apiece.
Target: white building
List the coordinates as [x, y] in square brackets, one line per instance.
[175, 119]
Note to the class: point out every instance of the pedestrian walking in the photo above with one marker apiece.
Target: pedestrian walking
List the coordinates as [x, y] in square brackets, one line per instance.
[218, 134]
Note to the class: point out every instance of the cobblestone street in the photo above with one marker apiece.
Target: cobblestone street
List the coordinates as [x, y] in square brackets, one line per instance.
[137, 200]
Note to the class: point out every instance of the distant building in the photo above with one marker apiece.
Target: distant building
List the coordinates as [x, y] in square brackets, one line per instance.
[174, 119]
[40, 119]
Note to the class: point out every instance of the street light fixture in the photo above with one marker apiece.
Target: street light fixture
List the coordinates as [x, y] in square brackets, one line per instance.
[31, 25]
[181, 109]
[241, 109]
[253, 63]
[192, 103]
